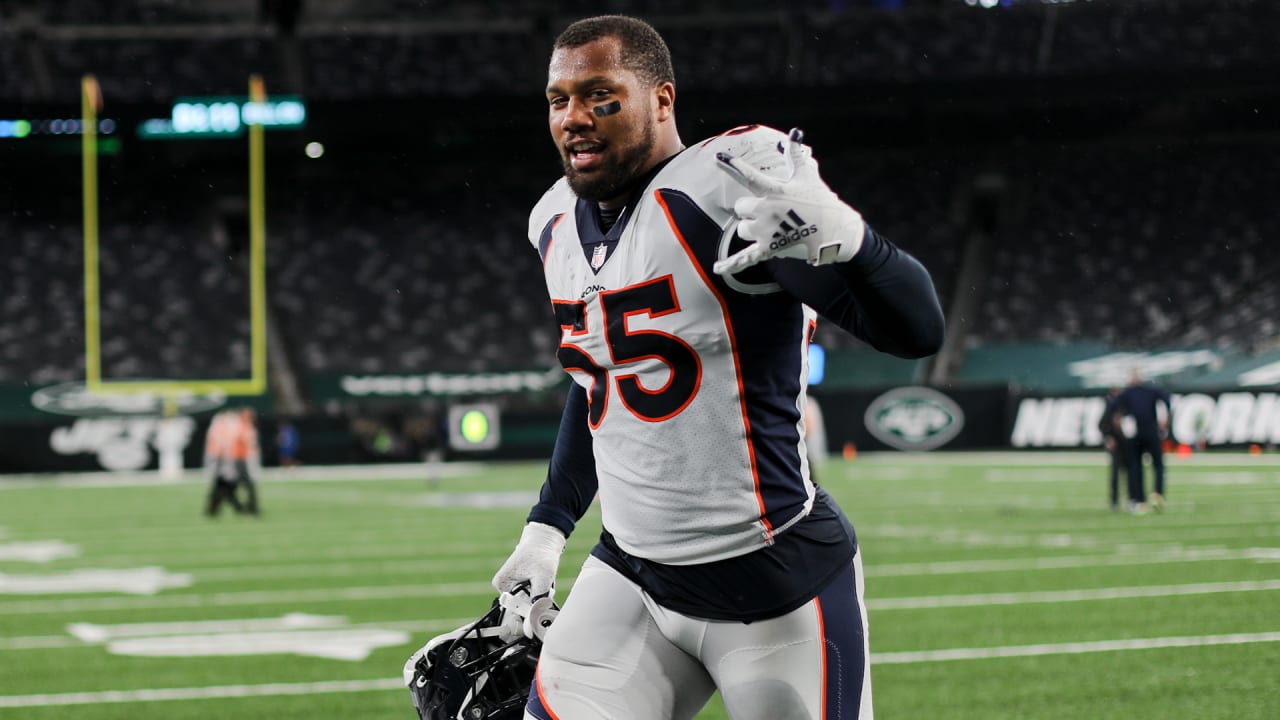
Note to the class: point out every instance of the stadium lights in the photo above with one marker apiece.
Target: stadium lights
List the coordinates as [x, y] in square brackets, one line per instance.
[224, 117]
[22, 128]
[989, 4]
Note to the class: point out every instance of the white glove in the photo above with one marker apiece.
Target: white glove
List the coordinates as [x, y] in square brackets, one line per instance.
[799, 217]
[535, 559]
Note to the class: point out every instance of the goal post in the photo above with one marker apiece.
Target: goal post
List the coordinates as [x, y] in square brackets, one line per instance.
[256, 383]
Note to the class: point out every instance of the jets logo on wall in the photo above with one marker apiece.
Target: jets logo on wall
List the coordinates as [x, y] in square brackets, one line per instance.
[76, 399]
[914, 418]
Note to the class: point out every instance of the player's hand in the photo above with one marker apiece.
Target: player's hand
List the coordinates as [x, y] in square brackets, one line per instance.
[535, 560]
[796, 217]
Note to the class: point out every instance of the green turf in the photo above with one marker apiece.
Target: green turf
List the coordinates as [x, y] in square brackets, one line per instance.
[961, 552]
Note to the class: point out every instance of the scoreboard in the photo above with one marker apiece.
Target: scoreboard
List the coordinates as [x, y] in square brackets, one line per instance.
[224, 117]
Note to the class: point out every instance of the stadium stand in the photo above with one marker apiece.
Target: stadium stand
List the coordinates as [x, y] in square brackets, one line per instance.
[170, 67]
[447, 264]
[148, 49]
[1143, 244]
[1149, 217]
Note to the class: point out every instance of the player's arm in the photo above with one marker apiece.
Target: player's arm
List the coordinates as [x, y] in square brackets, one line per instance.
[849, 273]
[566, 494]
[882, 295]
[571, 476]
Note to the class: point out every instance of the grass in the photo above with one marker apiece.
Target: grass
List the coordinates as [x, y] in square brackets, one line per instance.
[1010, 565]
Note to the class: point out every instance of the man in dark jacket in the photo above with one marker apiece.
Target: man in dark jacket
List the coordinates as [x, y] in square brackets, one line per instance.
[1118, 451]
[1139, 403]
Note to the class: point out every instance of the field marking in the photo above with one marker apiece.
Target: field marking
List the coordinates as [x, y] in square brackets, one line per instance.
[473, 500]
[1045, 475]
[350, 644]
[37, 551]
[1153, 557]
[247, 597]
[1155, 554]
[202, 693]
[348, 686]
[138, 581]
[333, 570]
[1136, 555]
[1090, 537]
[40, 642]
[322, 595]
[916, 656]
[456, 554]
[93, 632]
[1058, 596]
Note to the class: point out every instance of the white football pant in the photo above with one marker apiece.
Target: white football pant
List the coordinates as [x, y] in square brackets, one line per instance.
[615, 653]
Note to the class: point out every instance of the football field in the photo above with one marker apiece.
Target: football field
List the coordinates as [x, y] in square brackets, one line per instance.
[998, 585]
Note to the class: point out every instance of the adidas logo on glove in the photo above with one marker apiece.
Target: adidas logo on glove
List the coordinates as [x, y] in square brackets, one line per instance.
[788, 234]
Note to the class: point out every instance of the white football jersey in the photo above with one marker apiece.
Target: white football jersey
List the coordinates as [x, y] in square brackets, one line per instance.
[695, 382]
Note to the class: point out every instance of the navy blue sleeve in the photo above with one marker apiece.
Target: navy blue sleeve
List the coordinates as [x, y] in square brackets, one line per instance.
[883, 296]
[571, 477]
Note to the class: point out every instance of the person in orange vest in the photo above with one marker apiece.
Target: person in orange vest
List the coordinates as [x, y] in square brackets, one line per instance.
[232, 459]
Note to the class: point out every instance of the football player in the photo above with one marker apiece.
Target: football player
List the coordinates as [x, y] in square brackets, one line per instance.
[684, 279]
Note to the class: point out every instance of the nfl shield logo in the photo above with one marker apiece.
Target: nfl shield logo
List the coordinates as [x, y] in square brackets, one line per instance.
[597, 256]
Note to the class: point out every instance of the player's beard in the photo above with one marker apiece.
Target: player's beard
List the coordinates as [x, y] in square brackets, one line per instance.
[613, 179]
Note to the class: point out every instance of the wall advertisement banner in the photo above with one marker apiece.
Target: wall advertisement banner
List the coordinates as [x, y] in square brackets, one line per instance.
[1234, 418]
[914, 418]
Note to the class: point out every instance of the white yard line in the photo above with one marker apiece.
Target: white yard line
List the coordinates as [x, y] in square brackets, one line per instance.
[476, 555]
[322, 595]
[397, 684]
[1060, 596]
[1089, 537]
[202, 693]
[895, 658]
[1142, 555]
[38, 642]
[248, 597]
[1152, 556]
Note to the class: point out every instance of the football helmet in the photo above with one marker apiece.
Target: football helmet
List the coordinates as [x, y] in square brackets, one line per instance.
[483, 670]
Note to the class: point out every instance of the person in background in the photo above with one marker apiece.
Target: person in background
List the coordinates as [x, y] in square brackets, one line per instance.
[287, 444]
[1140, 404]
[1117, 451]
[232, 459]
[247, 457]
[218, 466]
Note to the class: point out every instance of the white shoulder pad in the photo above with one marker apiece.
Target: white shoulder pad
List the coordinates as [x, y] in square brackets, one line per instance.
[760, 146]
[558, 199]
[756, 145]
